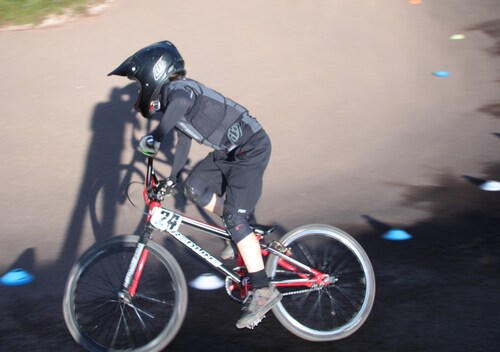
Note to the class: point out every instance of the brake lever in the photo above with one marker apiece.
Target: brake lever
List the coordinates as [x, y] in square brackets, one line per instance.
[162, 189]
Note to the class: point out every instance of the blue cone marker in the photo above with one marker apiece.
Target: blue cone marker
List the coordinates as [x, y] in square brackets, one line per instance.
[396, 235]
[16, 277]
[441, 74]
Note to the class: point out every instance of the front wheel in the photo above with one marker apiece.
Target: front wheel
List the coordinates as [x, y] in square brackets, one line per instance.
[324, 312]
[101, 320]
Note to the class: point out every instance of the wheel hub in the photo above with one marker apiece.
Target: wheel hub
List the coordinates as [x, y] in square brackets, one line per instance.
[124, 297]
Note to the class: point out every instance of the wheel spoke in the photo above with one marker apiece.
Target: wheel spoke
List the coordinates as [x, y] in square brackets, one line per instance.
[165, 302]
[307, 255]
[117, 329]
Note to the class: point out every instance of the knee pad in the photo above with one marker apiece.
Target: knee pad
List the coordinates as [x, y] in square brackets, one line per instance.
[237, 225]
[191, 193]
[197, 194]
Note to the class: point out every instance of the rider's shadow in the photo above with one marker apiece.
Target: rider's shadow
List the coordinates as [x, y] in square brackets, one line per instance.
[102, 170]
[105, 180]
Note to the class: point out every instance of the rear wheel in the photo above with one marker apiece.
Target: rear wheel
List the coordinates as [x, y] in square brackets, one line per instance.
[325, 312]
[101, 319]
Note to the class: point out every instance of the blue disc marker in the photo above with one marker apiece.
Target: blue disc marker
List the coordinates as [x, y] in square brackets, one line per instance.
[441, 74]
[16, 277]
[396, 235]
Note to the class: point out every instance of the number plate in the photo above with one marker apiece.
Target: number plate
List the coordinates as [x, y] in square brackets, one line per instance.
[166, 220]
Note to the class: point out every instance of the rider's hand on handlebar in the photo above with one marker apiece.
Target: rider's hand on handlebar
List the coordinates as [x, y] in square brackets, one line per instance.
[148, 146]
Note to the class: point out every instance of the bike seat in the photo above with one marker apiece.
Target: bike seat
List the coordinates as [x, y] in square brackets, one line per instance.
[262, 229]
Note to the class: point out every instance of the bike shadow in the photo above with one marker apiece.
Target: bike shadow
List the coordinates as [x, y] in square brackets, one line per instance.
[108, 124]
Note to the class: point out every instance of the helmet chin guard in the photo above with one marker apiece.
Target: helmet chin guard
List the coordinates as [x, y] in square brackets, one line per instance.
[151, 67]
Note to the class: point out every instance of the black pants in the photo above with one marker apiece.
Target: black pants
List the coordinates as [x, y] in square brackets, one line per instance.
[237, 174]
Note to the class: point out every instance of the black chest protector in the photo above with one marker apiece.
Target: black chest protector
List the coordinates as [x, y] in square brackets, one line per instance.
[213, 119]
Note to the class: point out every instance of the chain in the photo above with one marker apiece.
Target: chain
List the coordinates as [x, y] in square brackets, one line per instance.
[301, 291]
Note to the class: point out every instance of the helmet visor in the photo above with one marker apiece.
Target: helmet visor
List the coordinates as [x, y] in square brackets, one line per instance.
[124, 69]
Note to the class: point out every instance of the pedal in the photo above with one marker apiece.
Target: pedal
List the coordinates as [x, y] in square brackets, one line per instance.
[228, 251]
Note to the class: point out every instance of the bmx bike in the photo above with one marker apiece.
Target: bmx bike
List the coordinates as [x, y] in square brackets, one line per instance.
[128, 293]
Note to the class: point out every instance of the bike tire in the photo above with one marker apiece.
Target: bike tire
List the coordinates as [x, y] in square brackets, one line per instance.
[99, 321]
[330, 312]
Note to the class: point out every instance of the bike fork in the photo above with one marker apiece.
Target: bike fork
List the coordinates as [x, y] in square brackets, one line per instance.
[137, 264]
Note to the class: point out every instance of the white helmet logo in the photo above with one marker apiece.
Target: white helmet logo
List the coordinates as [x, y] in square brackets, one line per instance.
[159, 69]
[234, 133]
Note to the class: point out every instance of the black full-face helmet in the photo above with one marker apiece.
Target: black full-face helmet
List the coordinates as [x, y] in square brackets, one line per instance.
[151, 67]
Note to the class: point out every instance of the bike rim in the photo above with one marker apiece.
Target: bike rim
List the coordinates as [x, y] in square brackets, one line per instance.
[335, 310]
[107, 322]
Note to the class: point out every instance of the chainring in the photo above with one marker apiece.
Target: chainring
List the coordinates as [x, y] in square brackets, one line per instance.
[237, 291]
